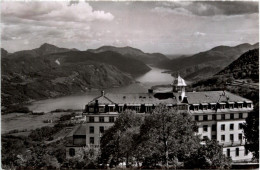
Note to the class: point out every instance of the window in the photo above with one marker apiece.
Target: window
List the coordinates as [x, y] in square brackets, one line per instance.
[120, 109]
[223, 117]
[72, 152]
[101, 129]
[137, 109]
[249, 105]
[205, 128]
[222, 137]
[91, 119]
[246, 152]
[231, 137]
[91, 109]
[205, 138]
[101, 109]
[232, 116]
[213, 106]
[240, 126]
[231, 126]
[222, 127]
[205, 117]
[111, 108]
[228, 152]
[101, 119]
[240, 115]
[91, 140]
[91, 129]
[111, 119]
[214, 137]
[239, 105]
[204, 107]
[222, 106]
[196, 108]
[196, 117]
[240, 136]
[231, 106]
[214, 127]
[237, 151]
[214, 117]
[148, 109]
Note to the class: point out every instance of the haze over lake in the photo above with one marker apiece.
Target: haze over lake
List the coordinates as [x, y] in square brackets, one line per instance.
[78, 101]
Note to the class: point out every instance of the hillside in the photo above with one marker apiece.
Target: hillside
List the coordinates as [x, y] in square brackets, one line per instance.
[245, 67]
[240, 77]
[208, 63]
[148, 58]
[50, 71]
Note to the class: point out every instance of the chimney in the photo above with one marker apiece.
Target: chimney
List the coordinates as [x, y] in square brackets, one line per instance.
[102, 93]
[150, 91]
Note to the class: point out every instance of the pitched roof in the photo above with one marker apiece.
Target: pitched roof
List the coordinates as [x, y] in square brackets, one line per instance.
[134, 98]
[102, 100]
[81, 130]
[213, 97]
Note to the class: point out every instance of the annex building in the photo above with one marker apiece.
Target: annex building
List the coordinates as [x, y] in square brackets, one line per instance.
[219, 115]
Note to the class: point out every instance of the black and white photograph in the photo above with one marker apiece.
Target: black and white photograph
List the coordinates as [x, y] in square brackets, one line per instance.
[129, 84]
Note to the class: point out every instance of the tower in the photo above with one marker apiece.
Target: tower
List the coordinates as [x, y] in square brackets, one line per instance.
[178, 86]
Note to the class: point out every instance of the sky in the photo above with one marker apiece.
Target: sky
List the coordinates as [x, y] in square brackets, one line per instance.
[168, 27]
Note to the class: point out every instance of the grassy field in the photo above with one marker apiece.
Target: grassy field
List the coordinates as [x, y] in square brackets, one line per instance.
[21, 121]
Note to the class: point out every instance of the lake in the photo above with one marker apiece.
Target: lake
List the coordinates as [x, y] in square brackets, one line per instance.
[78, 101]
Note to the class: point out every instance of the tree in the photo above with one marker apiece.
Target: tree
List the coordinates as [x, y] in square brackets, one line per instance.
[251, 131]
[117, 141]
[168, 135]
[86, 158]
[208, 156]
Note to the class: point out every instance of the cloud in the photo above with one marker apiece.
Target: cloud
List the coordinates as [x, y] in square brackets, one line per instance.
[207, 8]
[54, 11]
[166, 11]
[199, 34]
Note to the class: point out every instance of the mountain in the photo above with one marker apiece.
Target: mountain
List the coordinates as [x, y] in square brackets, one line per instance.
[208, 63]
[50, 71]
[148, 58]
[240, 77]
[245, 67]
[44, 49]
[4, 53]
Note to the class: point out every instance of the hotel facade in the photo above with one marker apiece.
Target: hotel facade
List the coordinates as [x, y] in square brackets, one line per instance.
[219, 115]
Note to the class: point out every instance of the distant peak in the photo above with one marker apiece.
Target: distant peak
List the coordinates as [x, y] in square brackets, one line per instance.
[47, 45]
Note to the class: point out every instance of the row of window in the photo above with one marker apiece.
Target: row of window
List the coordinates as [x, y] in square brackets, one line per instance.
[231, 126]
[219, 106]
[231, 137]
[223, 137]
[102, 119]
[92, 129]
[223, 117]
[138, 109]
[237, 152]
[101, 109]
[223, 127]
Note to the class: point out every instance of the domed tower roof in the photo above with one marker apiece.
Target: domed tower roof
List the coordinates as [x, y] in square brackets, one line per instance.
[179, 81]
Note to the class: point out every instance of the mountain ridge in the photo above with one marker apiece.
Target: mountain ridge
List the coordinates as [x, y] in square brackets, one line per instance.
[214, 60]
[148, 58]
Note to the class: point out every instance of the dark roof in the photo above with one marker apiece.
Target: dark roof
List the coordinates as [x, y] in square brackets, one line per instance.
[81, 130]
[133, 98]
[102, 100]
[168, 98]
[213, 97]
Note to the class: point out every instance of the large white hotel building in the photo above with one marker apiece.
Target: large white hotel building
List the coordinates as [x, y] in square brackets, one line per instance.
[219, 115]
